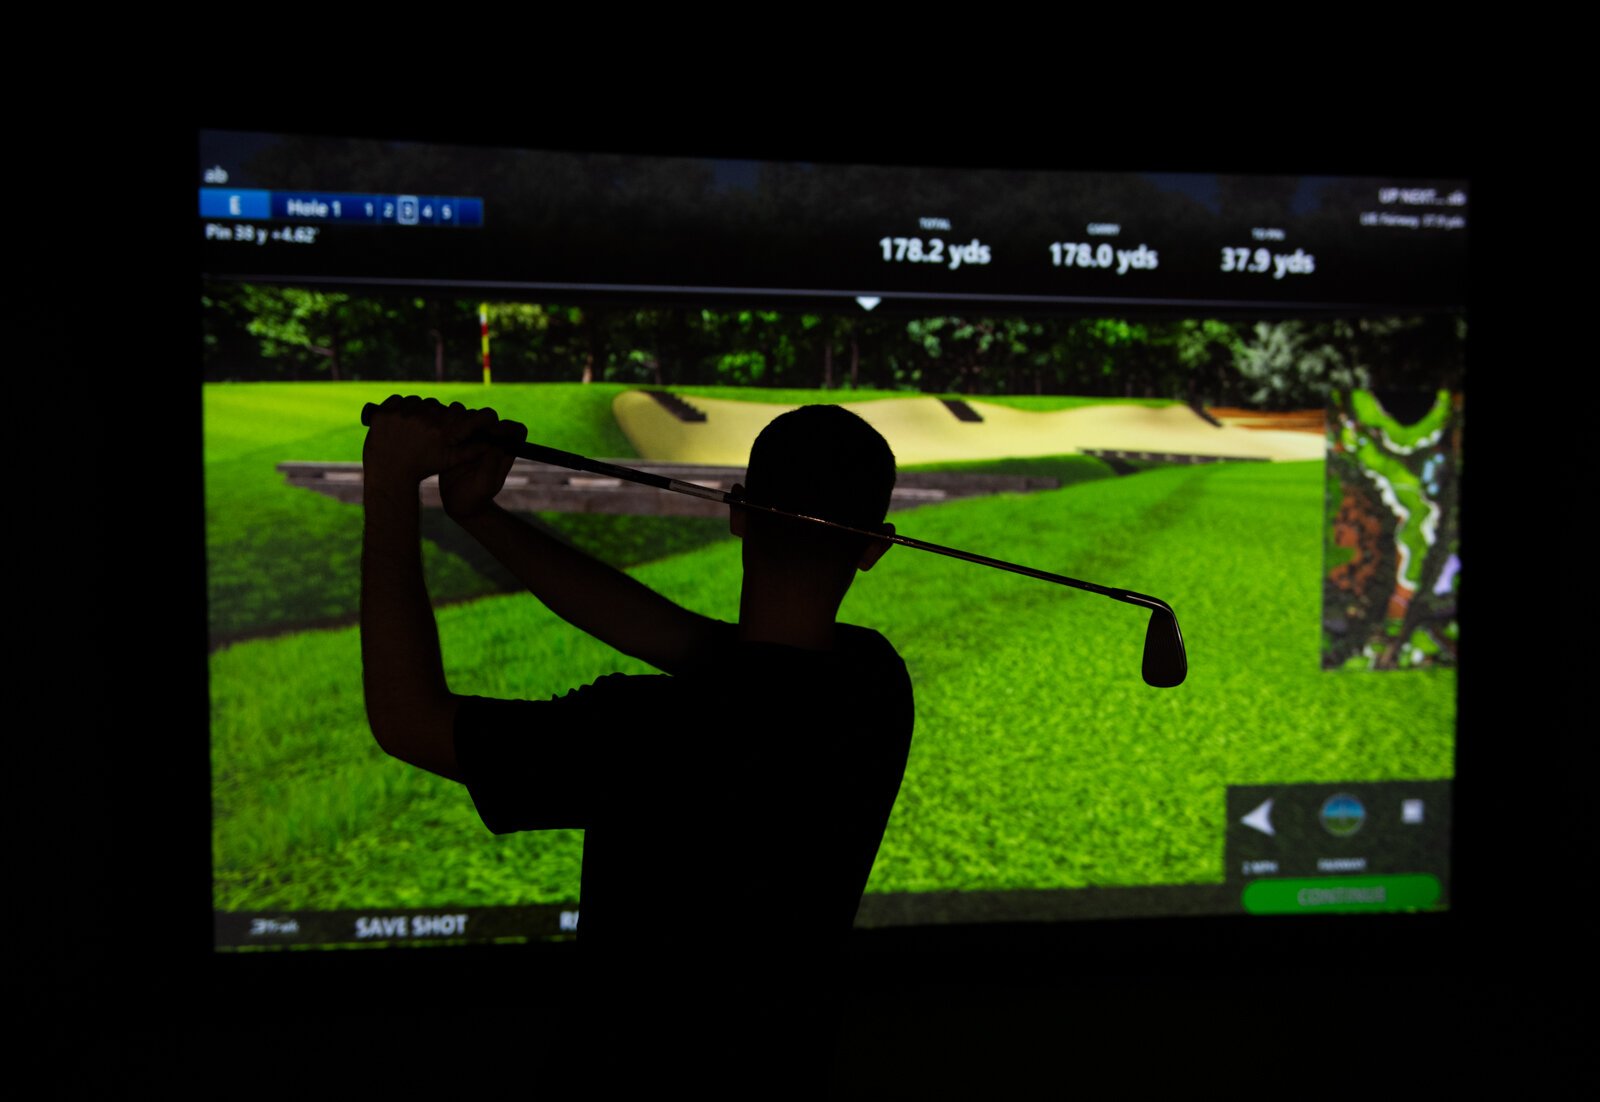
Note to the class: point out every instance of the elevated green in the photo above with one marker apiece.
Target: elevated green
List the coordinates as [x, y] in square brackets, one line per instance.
[1370, 413]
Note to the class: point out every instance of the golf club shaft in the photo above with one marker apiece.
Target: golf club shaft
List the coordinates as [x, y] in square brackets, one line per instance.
[571, 461]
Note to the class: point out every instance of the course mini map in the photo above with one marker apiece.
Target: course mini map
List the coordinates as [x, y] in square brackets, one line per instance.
[1392, 554]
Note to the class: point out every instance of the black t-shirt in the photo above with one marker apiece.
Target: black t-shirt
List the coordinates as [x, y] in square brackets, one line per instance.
[739, 806]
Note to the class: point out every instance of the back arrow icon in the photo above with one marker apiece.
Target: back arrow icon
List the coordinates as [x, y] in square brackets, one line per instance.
[1260, 818]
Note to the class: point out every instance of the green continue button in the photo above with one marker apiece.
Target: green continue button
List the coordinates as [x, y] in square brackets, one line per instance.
[1340, 894]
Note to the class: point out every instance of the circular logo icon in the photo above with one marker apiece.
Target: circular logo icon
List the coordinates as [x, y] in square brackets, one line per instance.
[1343, 815]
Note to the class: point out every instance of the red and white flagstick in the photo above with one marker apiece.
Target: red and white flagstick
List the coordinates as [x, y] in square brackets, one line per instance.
[483, 331]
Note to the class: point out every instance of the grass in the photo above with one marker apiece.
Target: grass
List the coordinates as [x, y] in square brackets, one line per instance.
[1040, 759]
[1068, 470]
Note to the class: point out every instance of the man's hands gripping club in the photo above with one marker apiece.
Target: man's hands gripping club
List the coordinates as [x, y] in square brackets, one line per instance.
[409, 439]
[413, 438]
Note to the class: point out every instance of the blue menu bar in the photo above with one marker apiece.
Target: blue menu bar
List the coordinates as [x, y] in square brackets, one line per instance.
[342, 207]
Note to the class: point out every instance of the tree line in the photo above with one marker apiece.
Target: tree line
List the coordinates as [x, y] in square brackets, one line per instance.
[269, 332]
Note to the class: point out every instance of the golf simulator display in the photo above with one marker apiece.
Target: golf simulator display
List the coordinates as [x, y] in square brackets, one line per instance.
[1165, 662]
[1245, 393]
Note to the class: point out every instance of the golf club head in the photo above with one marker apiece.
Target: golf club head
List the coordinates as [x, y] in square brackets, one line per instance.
[1165, 663]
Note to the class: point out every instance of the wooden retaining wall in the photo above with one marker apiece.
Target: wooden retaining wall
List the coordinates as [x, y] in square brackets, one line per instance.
[539, 487]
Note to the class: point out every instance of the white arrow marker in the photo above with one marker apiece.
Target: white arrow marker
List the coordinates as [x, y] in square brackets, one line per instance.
[1260, 819]
[868, 301]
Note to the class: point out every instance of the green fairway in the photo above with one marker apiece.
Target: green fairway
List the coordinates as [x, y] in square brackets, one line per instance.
[1040, 760]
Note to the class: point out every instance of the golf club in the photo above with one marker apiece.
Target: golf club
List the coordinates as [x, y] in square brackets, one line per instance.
[1165, 662]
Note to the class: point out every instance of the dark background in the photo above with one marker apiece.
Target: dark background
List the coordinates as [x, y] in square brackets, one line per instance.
[135, 994]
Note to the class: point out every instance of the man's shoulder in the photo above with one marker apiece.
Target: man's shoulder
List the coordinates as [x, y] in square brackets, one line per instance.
[875, 676]
[854, 635]
[861, 644]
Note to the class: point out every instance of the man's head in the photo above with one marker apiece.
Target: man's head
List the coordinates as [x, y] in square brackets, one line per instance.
[821, 461]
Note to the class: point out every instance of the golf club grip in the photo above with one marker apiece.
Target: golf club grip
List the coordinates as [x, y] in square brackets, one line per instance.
[572, 461]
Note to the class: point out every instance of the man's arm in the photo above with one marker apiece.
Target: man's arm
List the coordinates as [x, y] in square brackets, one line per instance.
[592, 596]
[409, 705]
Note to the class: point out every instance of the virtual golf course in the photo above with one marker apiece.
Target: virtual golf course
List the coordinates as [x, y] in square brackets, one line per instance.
[1040, 759]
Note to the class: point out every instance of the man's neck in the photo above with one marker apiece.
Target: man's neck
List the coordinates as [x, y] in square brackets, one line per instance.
[795, 611]
[805, 635]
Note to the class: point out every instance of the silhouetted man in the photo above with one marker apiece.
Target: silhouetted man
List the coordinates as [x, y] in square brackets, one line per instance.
[732, 810]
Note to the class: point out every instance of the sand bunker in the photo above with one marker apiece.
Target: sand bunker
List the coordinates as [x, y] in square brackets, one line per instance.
[922, 430]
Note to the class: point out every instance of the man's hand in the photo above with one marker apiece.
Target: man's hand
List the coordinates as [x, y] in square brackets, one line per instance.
[412, 438]
[467, 489]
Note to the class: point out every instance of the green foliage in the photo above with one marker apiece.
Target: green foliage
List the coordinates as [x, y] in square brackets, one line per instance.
[258, 332]
[511, 317]
[262, 331]
[1294, 364]
[1203, 343]
[293, 319]
[975, 349]
[741, 368]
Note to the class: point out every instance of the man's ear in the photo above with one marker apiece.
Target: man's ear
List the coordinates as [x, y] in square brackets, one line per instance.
[736, 515]
[875, 548]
